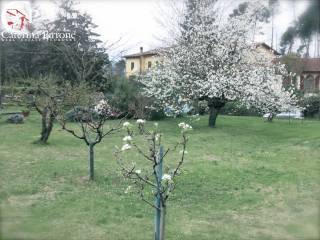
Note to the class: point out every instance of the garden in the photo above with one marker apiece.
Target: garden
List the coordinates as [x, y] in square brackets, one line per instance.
[245, 179]
[216, 140]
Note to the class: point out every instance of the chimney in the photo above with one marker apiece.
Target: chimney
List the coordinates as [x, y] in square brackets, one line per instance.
[141, 60]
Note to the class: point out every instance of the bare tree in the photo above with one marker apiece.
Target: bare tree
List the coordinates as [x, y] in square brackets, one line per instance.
[45, 97]
[90, 112]
[82, 62]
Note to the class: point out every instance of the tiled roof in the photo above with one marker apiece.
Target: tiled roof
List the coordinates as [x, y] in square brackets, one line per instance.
[310, 64]
[151, 52]
[266, 46]
[156, 51]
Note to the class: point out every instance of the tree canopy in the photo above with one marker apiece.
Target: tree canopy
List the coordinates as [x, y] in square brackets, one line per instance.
[216, 61]
[65, 59]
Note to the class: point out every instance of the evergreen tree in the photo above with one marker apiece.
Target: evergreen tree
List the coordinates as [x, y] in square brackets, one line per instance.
[305, 28]
[82, 59]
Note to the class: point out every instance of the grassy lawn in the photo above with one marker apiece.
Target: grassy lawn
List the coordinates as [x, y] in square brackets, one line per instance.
[246, 179]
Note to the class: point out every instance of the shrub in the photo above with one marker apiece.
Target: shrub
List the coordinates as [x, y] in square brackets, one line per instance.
[15, 118]
[123, 94]
[156, 115]
[127, 98]
[236, 109]
[25, 113]
[311, 106]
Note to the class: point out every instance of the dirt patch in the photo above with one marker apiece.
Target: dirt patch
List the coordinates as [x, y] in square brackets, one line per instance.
[211, 158]
[47, 194]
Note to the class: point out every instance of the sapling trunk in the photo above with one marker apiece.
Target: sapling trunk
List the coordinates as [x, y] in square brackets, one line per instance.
[162, 222]
[91, 161]
[159, 218]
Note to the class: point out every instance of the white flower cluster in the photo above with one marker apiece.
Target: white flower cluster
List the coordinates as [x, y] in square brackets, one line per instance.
[157, 136]
[184, 126]
[126, 124]
[183, 152]
[126, 147]
[128, 189]
[103, 108]
[127, 139]
[166, 178]
[141, 121]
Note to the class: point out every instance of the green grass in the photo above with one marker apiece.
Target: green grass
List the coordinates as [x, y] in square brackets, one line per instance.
[246, 179]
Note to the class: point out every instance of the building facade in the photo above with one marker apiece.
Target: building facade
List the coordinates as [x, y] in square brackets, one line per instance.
[266, 50]
[309, 79]
[141, 62]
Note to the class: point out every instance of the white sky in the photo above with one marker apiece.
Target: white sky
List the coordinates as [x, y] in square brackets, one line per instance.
[136, 22]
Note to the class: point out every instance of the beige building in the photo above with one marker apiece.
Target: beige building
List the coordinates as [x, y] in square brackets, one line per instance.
[309, 80]
[139, 63]
[266, 50]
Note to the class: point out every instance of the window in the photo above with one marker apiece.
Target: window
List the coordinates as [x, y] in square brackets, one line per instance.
[132, 66]
[309, 84]
[149, 64]
[317, 83]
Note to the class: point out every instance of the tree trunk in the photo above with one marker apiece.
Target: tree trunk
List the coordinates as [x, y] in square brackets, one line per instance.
[270, 117]
[213, 114]
[159, 217]
[47, 125]
[91, 161]
[215, 105]
[3, 69]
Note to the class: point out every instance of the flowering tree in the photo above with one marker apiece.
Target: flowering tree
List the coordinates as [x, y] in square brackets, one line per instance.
[212, 58]
[91, 118]
[151, 178]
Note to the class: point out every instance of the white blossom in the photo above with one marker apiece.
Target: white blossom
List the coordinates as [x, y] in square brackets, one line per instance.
[157, 136]
[138, 171]
[128, 189]
[126, 124]
[184, 126]
[127, 139]
[166, 177]
[141, 121]
[125, 147]
[181, 152]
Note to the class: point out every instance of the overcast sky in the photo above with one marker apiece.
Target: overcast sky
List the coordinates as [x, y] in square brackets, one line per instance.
[136, 22]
